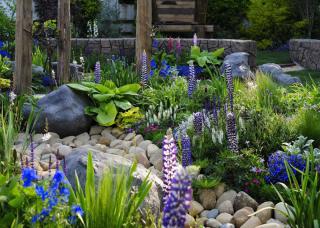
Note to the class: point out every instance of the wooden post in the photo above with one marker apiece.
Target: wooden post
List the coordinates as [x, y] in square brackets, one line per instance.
[64, 41]
[23, 50]
[143, 29]
[201, 16]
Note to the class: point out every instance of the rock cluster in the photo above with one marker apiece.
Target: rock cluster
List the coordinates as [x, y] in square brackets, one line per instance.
[218, 208]
[106, 140]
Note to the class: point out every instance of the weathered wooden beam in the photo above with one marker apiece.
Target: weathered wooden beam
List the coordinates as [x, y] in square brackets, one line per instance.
[64, 41]
[143, 29]
[23, 51]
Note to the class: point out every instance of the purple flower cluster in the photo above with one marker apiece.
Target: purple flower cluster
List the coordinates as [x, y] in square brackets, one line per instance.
[232, 138]
[229, 78]
[215, 111]
[192, 80]
[169, 156]
[179, 199]
[186, 151]
[144, 69]
[276, 166]
[198, 122]
[97, 73]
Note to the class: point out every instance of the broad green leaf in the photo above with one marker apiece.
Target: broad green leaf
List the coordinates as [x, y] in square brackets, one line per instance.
[217, 53]
[195, 52]
[80, 87]
[89, 84]
[130, 89]
[110, 84]
[91, 111]
[16, 202]
[123, 104]
[104, 89]
[103, 97]
[202, 61]
[107, 114]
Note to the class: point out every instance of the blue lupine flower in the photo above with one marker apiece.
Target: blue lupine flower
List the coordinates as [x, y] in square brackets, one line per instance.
[186, 151]
[42, 193]
[229, 78]
[169, 156]
[28, 176]
[198, 122]
[183, 70]
[97, 73]
[192, 80]
[179, 200]
[277, 169]
[144, 68]
[232, 138]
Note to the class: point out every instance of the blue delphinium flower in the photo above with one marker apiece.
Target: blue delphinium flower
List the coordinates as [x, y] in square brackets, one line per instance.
[153, 64]
[186, 151]
[28, 176]
[57, 179]
[179, 200]
[42, 193]
[169, 156]
[192, 80]
[97, 73]
[183, 70]
[165, 69]
[144, 68]
[276, 166]
[47, 81]
[76, 210]
[155, 43]
[198, 122]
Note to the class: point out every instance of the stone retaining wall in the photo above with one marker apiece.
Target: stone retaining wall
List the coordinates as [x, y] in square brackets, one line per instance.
[126, 46]
[305, 52]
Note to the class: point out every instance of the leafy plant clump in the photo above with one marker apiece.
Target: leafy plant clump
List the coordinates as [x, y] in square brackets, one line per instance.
[108, 100]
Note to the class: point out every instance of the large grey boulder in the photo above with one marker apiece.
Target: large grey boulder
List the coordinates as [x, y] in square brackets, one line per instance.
[277, 74]
[239, 62]
[37, 71]
[77, 162]
[63, 112]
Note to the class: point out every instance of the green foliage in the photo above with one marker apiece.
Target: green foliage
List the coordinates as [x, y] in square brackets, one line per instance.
[129, 118]
[15, 201]
[303, 209]
[7, 23]
[4, 66]
[108, 99]
[206, 59]
[39, 57]
[269, 22]
[11, 123]
[206, 183]
[112, 203]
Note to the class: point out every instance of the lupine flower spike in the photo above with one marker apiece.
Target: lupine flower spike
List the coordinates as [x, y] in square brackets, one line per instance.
[97, 73]
[179, 199]
[215, 112]
[186, 151]
[169, 154]
[232, 133]
[229, 78]
[198, 122]
[195, 40]
[144, 69]
[178, 47]
[170, 44]
[192, 80]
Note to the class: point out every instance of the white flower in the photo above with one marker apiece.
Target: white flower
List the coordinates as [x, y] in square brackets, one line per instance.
[74, 62]
[12, 96]
[46, 137]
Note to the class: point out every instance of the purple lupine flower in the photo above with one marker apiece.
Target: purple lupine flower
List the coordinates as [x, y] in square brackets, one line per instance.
[195, 40]
[31, 152]
[179, 200]
[198, 122]
[232, 138]
[144, 68]
[215, 111]
[229, 78]
[186, 151]
[97, 73]
[192, 80]
[169, 154]
[178, 47]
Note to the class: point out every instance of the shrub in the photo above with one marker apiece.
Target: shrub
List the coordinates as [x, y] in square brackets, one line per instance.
[269, 22]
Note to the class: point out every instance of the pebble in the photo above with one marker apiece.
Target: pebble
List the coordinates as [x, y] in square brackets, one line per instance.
[207, 198]
[96, 130]
[213, 223]
[265, 214]
[252, 222]
[229, 195]
[226, 207]
[225, 218]
[242, 215]
[242, 200]
[195, 208]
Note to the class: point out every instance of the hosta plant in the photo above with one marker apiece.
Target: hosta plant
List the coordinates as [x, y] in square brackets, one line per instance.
[108, 99]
